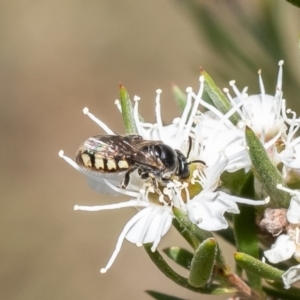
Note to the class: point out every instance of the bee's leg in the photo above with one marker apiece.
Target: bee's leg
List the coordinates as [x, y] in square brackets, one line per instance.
[143, 175]
[157, 189]
[155, 184]
[165, 180]
[127, 177]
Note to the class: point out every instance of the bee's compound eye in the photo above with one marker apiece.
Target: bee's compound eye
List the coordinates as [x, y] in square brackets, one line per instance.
[167, 156]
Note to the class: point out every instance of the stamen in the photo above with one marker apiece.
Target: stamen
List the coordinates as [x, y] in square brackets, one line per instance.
[97, 121]
[291, 192]
[69, 161]
[279, 78]
[278, 91]
[158, 114]
[118, 104]
[130, 203]
[245, 114]
[262, 91]
[248, 201]
[277, 103]
[285, 117]
[261, 84]
[136, 117]
[168, 193]
[185, 113]
[233, 103]
[244, 91]
[213, 110]
[176, 120]
[194, 109]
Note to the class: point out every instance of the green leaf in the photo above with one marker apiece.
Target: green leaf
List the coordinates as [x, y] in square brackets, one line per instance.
[257, 267]
[181, 256]
[161, 296]
[222, 40]
[236, 181]
[127, 111]
[245, 222]
[294, 2]
[280, 292]
[162, 265]
[203, 263]
[180, 97]
[217, 96]
[247, 243]
[265, 29]
[189, 237]
[266, 172]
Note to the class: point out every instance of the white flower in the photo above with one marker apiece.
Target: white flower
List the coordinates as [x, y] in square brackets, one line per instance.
[148, 225]
[291, 276]
[176, 134]
[154, 218]
[215, 134]
[262, 113]
[290, 155]
[222, 141]
[288, 245]
[207, 208]
[282, 249]
[224, 150]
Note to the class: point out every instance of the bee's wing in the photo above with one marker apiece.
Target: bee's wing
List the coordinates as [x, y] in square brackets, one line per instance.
[133, 145]
[117, 147]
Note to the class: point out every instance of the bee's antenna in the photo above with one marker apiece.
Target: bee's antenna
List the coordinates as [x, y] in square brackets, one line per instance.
[190, 147]
[197, 161]
[188, 154]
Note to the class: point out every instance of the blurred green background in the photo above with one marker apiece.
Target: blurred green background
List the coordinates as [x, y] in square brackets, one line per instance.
[57, 57]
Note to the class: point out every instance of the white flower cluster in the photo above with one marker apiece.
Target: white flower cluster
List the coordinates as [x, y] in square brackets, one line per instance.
[216, 141]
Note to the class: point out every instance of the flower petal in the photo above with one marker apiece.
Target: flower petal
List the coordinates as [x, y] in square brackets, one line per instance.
[208, 208]
[281, 250]
[154, 223]
[290, 276]
[293, 213]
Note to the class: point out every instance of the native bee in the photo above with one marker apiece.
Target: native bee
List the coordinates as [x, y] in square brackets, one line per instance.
[116, 153]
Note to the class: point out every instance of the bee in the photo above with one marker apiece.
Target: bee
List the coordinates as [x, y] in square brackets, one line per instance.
[108, 154]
